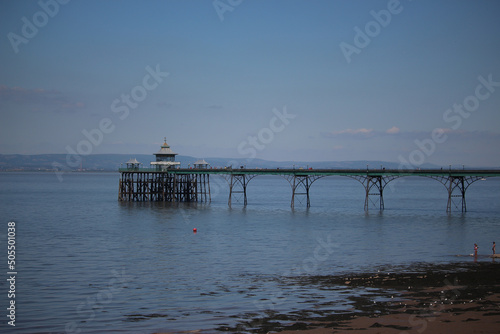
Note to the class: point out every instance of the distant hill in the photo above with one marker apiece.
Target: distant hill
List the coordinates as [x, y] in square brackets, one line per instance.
[111, 162]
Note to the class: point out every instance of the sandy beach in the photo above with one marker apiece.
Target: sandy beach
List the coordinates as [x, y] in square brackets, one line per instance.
[455, 298]
[461, 297]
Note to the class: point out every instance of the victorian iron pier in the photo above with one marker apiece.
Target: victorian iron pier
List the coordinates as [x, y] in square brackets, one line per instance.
[193, 184]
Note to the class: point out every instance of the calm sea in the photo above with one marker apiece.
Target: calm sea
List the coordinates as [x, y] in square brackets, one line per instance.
[91, 264]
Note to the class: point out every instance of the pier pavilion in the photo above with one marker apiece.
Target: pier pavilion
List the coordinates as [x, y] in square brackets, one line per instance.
[133, 164]
[201, 164]
[165, 157]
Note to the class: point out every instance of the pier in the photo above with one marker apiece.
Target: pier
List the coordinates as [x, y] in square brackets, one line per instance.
[193, 184]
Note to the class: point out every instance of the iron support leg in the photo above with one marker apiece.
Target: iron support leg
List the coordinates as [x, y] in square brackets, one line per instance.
[456, 188]
[379, 183]
[240, 180]
[301, 182]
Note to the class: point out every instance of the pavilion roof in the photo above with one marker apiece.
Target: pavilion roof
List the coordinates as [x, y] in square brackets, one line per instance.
[201, 162]
[133, 161]
[165, 150]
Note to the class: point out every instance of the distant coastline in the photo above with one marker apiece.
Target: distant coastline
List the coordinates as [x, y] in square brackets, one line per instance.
[111, 163]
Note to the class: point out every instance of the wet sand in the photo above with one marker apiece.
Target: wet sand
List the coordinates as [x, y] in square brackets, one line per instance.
[471, 317]
[423, 298]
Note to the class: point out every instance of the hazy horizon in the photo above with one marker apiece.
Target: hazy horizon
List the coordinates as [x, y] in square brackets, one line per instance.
[373, 164]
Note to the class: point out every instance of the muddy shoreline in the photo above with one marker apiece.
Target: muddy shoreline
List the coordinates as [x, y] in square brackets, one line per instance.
[411, 299]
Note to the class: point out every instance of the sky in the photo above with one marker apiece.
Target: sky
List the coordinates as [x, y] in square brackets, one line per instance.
[409, 81]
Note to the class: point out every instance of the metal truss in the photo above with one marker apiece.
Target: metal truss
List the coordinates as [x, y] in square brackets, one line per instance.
[456, 187]
[374, 186]
[300, 186]
[238, 185]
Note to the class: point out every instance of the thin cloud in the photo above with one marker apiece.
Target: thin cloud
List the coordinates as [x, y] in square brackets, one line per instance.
[353, 131]
[460, 133]
[363, 133]
[392, 131]
[215, 107]
[164, 105]
[471, 134]
[40, 99]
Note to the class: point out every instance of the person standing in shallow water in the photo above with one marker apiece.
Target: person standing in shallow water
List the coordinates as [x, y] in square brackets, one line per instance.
[493, 248]
[475, 250]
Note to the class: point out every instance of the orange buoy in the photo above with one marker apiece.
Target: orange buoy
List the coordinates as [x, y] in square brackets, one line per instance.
[195, 230]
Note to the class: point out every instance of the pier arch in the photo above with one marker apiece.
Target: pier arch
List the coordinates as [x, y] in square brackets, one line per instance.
[456, 187]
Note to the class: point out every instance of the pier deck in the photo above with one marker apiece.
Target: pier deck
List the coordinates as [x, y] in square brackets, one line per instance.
[192, 184]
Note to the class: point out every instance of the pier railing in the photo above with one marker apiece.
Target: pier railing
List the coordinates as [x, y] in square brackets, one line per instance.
[326, 172]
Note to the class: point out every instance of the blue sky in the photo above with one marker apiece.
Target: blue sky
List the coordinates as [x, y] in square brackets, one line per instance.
[255, 78]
